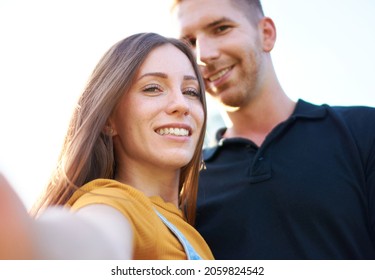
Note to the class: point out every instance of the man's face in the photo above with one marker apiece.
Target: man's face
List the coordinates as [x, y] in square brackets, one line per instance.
[227, 46]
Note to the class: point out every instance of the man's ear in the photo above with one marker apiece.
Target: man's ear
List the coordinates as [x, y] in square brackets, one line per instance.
[268, 33]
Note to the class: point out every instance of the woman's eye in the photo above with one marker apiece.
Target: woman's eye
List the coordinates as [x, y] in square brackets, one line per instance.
[153, 88]
[191, 92]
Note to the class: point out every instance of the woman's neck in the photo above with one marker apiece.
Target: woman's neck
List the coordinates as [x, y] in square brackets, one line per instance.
[151, 181]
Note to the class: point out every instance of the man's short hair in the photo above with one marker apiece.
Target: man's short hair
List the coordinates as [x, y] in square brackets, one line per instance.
[252, 8]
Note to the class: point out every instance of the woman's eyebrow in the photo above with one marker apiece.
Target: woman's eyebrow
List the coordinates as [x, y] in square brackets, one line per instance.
[189, 77]
[165, 76]
[156, 74]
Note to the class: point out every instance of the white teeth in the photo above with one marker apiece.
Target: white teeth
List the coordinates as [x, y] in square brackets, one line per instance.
[218, 75]
[173, 131]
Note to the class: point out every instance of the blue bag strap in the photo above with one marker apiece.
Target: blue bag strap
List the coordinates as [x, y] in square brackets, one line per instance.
[189, 250]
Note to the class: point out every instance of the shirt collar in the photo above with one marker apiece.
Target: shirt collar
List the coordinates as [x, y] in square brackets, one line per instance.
[303, 110]
[308, 110]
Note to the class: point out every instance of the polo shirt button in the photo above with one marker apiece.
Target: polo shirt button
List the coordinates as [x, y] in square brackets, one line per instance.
[260, 158]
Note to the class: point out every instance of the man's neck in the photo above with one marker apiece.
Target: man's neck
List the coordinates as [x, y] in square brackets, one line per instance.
[260, 117]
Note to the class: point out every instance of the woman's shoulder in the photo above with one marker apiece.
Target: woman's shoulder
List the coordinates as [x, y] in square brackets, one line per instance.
[109, 192]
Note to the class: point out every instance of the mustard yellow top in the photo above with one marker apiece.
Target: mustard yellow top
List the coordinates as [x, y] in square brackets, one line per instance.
[152, 239]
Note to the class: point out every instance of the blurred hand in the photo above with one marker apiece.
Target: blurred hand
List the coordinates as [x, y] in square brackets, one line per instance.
[15, 225]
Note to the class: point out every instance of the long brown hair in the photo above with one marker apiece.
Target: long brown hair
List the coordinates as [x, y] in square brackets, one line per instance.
[87, 151]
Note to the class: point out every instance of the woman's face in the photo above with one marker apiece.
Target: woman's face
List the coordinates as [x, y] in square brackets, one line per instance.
[158, 122]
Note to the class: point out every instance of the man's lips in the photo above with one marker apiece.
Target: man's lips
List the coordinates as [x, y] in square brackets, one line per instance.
[216, 76]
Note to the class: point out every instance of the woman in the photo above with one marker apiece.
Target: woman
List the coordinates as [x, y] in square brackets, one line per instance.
[130, 161]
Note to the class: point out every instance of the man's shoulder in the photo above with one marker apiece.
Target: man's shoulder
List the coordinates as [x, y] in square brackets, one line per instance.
[350, 114]
[359, 121]
[358, 110]
[355, 115]
[209, 152]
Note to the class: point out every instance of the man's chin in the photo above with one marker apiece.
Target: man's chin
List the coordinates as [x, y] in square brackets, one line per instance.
[227, 105]
[226, 101]
[229, 108]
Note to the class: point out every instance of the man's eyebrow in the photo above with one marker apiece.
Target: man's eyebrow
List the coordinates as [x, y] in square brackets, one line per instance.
[209, 25]
[218, 21]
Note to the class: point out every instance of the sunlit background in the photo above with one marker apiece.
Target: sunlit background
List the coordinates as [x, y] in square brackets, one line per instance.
[324, 54]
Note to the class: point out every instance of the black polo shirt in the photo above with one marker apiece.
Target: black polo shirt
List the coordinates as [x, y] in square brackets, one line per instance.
[307, 193]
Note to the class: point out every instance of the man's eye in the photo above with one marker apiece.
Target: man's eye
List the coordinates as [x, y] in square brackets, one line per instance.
[222, 28]
[191, 41]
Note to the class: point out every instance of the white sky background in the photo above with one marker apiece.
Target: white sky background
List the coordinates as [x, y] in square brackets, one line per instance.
[324, 54]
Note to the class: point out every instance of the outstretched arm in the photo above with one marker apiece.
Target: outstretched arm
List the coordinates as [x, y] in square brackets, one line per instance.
[15, 224]
[93, 232]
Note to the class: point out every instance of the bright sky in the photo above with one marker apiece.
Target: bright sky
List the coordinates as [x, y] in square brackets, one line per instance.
[324, 54]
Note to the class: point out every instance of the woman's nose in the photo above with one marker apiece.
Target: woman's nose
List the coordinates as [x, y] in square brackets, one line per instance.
[178, 103]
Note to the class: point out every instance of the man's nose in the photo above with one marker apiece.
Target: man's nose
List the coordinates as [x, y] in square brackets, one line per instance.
[206, 51]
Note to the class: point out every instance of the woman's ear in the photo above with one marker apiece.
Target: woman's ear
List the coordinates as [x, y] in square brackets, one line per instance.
[268, 33]
[109, 128]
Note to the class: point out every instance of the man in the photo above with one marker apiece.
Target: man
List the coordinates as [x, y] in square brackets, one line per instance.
[288, 180]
